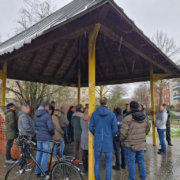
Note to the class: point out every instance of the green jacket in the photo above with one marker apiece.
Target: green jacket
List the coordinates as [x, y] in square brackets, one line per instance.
[63, 120]
[11, 127]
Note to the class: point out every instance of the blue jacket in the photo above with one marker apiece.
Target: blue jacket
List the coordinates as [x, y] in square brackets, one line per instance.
[43, 125]
[103, 126]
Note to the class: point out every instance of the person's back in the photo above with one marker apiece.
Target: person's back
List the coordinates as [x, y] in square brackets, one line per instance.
[44, 133]
[133, 133]
[25, 123]
[11, 130]
[103, 126]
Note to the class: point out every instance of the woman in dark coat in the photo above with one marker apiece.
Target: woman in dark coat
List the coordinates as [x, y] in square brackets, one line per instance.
[76, 118]
[70, 128]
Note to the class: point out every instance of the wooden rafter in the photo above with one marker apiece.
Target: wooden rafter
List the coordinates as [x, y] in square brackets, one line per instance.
[31, 61]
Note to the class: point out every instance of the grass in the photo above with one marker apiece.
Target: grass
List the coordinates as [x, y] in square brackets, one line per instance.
[175, 132]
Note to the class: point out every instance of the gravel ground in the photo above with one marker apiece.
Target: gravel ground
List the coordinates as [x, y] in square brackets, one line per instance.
[158, 167]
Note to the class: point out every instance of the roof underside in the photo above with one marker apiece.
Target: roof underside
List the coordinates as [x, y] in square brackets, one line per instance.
[52, 50]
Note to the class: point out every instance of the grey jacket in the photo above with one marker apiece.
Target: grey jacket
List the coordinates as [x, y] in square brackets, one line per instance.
[84, 134]
[25, 125]
[161, 120]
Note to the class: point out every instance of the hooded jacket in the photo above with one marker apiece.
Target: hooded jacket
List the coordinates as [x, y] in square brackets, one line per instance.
[103, 125]
[133, 131]
[43, 125]
[11, 125]
[161, 119]
[25, 125]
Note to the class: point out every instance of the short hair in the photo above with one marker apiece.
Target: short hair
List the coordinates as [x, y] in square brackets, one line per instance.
[24, 106]
[53, 102]
[127, 104]
[134, 105]
[103, 101]
[10, 105]
[164, 105]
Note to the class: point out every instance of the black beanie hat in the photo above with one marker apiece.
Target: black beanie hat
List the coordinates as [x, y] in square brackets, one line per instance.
[10, 105]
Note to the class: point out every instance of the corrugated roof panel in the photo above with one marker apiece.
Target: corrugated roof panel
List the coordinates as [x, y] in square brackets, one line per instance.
[70, 10]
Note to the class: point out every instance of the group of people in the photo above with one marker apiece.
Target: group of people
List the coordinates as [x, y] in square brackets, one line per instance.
[122, 132]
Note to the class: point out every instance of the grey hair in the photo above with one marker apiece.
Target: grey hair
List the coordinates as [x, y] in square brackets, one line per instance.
[24, 106]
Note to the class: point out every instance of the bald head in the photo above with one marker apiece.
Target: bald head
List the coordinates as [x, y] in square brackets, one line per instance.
[26, 108]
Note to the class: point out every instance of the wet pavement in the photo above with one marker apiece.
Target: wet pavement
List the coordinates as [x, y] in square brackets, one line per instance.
[158, 167]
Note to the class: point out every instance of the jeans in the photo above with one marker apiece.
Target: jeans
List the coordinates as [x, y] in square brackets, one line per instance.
[85, 160]
[108, 158]
[9, 145]
[41, 157]
[117, 153]
[62, 146]
[132, 156]
[161, 139]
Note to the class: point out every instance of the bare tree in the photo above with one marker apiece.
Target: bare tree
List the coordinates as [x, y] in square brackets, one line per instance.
[102, 90]
[168, 46]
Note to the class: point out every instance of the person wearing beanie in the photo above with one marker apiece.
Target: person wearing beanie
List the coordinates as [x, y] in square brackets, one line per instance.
[133, 133]
[76, 119]
[44, 133]
[11, 130]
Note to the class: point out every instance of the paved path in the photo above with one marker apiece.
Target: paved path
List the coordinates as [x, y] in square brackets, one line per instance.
[158, 167]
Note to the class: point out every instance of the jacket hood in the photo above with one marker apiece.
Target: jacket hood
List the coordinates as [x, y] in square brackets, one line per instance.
[7, 111]
[103, 111]
[40, 112]
[79, 114]
[139, 116]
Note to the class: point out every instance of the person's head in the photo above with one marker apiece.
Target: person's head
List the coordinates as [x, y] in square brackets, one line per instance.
[141, 107]
[53, 103]
[127, 105]
[72, 109]
[134, 105]
[57, 112]
[103, 101]
[118, 111]
[63, 109]
[164, 105]
[86, 106]
[11, 106]
[79, 108]
[161, 108]
[50, 111]
[45, 105]
[26, 108]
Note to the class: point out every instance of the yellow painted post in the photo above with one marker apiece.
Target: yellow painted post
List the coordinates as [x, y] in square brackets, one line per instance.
[153, 105]
[3, 85]
[92, 67]
[79, 86]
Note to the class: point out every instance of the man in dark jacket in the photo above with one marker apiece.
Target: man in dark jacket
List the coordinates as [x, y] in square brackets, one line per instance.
[10, 129]
[25, 123]
[44, 133]
[103, 126]
[168, 127]
[52, 107]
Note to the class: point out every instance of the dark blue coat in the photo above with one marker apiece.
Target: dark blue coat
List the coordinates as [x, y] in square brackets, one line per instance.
[43, 125]
[103, 126]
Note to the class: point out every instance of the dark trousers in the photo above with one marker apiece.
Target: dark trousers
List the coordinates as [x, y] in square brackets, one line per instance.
[70, 133]
[85, 160]
[119, 154]
[9, 145]
[168, 132]
[65, 129]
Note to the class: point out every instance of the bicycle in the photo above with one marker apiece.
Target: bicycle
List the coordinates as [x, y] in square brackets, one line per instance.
[23, 169]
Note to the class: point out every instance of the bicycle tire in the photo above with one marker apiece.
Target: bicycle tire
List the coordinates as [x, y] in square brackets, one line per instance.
[17, 173]
[65, 170]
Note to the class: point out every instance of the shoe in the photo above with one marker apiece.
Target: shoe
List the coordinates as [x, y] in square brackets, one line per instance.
[169, 144]
[161, 152]
[10, 161]
[13, 159]
[123, 167]
[116, 168]
[45, 178]
[27, 168]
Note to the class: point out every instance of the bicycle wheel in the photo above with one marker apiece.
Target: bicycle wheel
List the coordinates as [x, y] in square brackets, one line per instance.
[17, 173]
[66, 171]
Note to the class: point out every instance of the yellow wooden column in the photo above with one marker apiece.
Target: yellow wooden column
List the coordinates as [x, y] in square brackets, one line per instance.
[79, 86]
[3, 85]
[153, 105]
[92, 67]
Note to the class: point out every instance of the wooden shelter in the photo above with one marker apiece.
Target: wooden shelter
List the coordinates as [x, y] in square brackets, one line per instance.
[83, 39]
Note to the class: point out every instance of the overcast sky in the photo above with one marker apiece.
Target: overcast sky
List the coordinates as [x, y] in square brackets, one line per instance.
[149, 15]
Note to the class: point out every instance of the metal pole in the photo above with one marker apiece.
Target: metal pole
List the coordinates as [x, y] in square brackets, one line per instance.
[153, 105]
[92, 61]
[3, 86]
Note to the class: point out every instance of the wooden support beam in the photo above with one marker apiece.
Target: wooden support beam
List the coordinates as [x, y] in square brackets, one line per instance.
[63, 57]
[31, 61]
[48, 59]
[3, 85]
[115, 36]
